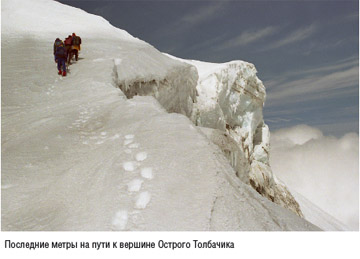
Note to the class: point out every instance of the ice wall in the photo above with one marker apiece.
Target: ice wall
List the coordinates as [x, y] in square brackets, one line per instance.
[146, 71]
[231, 99]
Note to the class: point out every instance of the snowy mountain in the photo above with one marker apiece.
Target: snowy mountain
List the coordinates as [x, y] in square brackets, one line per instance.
[77, 154]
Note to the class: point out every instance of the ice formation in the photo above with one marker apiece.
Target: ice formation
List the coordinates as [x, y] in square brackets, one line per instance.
[230, 100]
[173, 84]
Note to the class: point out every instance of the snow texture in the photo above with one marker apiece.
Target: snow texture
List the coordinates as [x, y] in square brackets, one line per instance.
[60, 171]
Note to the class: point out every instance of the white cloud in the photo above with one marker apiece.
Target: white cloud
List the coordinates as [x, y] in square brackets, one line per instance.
[297, 135]
[202, 14]
[296, 36]
[323, 169]
[320, 83]
[189, 20]
[248, 37]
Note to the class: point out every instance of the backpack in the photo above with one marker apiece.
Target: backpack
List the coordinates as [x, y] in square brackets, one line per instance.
[68, 41]
[57, 43]
[76, 40]
[61, 52]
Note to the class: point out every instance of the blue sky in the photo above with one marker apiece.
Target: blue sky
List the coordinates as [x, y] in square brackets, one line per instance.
[306, 52]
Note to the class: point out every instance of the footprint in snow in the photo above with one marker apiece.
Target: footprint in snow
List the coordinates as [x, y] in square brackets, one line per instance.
[116, 136]
[147, 173]
[134, 145]
[134, 185]
[129, 166]
[141, 156]
[120, 220]
[127, 141]
[143, 200]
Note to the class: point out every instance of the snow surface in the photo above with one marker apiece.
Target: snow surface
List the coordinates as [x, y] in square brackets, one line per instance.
[41, 19]
[317, 216]
[65, 165]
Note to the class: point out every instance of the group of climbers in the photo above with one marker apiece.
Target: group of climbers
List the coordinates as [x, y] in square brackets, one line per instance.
[65, 51]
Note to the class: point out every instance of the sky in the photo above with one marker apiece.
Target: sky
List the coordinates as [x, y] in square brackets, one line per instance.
[306, 52]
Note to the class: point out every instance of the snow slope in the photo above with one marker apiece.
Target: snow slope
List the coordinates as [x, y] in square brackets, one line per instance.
[48, 19]
[78, 155]
[317, 216]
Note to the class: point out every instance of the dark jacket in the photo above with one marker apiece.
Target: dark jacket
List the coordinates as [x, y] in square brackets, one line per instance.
[56, 44]
[60, 53]
[74, 39]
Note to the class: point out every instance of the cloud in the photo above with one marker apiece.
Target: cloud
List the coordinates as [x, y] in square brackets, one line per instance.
[323, 169]
[297, 135]
[320, 83]
[184, 24]
[351, 17]
[330, 44]
[294, 37]
[277, 120]
[248, 37]
[202, 14]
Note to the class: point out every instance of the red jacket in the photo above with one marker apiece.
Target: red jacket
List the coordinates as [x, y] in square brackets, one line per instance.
[68, 41]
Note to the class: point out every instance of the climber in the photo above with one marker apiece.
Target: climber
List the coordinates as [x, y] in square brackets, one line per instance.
[68, 43]
[60, 58]
[76, 41]
[56, 45]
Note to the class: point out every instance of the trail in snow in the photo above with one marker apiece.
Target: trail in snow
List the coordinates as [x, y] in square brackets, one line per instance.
[135, 185]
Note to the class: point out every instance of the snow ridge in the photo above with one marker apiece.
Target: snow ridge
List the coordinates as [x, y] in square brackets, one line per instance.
[40, 19]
